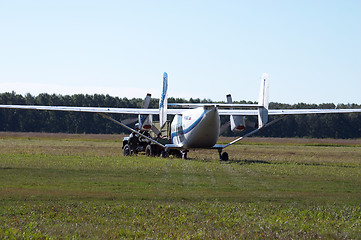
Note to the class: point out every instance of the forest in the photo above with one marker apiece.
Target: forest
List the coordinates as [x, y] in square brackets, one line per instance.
[311, 126]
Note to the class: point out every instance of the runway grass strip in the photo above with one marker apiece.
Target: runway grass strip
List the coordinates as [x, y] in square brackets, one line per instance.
[56, 188]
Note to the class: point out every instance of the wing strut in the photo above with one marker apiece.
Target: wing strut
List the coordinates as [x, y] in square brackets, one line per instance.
[254, 131]
[131, 129]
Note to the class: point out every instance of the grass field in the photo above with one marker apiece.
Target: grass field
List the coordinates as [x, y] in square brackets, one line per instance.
[81, 187]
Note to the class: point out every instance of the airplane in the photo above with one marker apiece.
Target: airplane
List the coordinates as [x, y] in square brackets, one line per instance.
[194, 125]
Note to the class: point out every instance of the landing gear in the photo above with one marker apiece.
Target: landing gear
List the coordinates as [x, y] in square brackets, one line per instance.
[179, 153]
[149, 151]
[184, 154]
[126, 150]
[164, 154]
[223, 156]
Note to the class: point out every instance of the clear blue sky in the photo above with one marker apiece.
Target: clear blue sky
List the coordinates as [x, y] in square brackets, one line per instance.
[310, 49]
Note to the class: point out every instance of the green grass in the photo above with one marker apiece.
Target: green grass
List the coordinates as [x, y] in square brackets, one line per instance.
[83, 188]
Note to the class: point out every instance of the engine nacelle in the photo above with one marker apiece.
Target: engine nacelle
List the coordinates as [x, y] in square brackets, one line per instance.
[238, 123]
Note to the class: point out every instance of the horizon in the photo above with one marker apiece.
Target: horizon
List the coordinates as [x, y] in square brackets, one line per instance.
[176, 98]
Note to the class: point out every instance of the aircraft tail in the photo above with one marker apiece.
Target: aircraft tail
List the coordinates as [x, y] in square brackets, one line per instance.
[163, 103]
[263, 101]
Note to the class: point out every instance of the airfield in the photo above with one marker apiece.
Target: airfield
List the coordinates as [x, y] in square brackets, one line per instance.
[78, 186]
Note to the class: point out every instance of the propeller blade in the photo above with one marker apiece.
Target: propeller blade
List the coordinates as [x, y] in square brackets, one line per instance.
[147, 100]
[129, 121]
[155, 130]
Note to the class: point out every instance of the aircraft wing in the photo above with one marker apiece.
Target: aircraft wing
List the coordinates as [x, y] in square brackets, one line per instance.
[286, 111]
[243, 112]
[92, 109]
[310, 111]
[218, 105]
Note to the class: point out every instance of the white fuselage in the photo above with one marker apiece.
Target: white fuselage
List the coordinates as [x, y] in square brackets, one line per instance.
[196, 128]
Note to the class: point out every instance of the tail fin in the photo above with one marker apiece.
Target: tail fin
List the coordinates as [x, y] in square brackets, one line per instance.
[163, 103]
[263, 101]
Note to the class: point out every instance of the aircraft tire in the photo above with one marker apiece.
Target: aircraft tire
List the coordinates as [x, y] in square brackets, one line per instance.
[184, 155]
[176, 153]
[149, 151]
[126, 150]
[224, 156]
[164, 154]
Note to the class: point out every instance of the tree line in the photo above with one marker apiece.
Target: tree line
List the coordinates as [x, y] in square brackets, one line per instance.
[315, 126]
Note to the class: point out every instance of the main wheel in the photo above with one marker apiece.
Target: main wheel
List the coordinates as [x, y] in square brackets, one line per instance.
[184, 155]
[126, 150]
[148, 151]
[164, 154]
[224, 156]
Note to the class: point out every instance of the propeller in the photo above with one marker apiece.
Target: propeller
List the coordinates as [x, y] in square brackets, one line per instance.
[226, 125]
[145, 105]
[129, 121]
